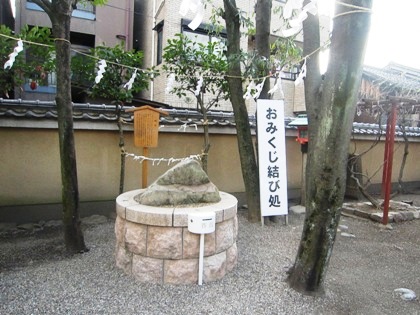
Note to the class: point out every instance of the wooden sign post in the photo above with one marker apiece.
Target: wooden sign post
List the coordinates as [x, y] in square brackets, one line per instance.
[146, 130]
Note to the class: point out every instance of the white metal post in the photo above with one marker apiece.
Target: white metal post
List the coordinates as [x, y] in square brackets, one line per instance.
[201, 260]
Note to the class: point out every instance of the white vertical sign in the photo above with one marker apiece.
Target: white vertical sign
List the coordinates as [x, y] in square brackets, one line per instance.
[272, 157]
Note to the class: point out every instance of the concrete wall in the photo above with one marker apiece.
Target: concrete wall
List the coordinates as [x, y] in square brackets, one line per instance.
[30, 180]
[372, 162]
[30, 165]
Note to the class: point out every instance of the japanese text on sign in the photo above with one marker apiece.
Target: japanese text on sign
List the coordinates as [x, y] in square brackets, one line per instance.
[272, 157]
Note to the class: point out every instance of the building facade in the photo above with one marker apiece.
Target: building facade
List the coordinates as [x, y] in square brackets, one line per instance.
[6, 14]
[160, 20]
[91, 26]
[147, 25]
[393, 80]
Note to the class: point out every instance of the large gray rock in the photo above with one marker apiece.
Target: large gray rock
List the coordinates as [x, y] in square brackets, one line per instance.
[186, 183]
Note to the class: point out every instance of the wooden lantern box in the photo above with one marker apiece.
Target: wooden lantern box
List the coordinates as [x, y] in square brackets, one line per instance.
[146, 131]
[146, 126]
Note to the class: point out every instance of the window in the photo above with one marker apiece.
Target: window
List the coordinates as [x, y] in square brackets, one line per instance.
[290, 73]
[203, 34]
[85, 6]
[83, 10]
[159, 50]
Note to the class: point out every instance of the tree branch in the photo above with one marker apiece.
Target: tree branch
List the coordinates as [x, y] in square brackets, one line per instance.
[45, 5]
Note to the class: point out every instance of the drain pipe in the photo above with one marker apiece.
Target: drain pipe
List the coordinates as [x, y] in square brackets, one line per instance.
[152, 60]
[127, 24]
[156, 11]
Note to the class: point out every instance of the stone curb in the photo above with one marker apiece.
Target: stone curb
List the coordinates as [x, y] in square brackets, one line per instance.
[405, 213]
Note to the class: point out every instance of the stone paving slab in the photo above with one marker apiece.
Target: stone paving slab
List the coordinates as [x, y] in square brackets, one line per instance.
[399, 211]
[403, 208]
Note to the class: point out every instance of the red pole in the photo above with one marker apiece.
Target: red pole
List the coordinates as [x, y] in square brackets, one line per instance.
[386, 155]
[389, 155]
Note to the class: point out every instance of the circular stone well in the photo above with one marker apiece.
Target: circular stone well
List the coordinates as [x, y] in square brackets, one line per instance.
[154, 244]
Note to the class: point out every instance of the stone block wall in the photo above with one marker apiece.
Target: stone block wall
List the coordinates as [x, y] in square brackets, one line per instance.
[154, 244]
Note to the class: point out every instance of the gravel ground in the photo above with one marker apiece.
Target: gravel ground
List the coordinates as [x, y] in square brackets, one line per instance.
[36, 277]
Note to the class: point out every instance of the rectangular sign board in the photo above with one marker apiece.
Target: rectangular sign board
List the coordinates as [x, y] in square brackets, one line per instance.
[272, 157]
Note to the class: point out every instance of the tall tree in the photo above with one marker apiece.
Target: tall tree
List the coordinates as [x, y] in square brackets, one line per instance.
[262, 47]
[262, 38]
[331, 104]
[245, 145]
[60, 12]
[266, 57]
[199, 69]
[114, 85]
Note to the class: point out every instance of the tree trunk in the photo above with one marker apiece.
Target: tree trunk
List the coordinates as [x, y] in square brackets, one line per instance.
[262, 38]
[206, 144]
[121, 144]
[246, 147]
[60, 16]
[262, 46]
[331, 107]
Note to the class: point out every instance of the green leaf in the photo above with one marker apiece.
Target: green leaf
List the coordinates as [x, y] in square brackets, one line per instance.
[190, 60]
[121, 65]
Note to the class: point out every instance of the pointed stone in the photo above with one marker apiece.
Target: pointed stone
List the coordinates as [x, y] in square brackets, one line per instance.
[185, 183]
[187, 173]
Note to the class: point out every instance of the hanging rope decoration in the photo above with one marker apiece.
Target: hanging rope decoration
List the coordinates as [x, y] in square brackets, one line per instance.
[9, 63]
[253, 90]
[129, 84]
[277, 86]
[170, 83]
[258, 89]
[296, 23]
[302, 74]
[249, 88]
[102, 64]
[358, 111]
[197, 8]
[171, 160]
[184, 127]
[199, 85]
[101, 70]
